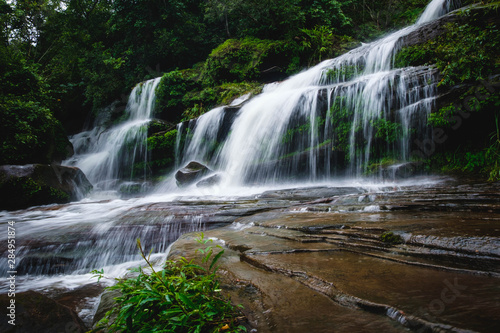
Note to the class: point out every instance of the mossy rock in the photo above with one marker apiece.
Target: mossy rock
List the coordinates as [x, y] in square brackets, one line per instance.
[22, 186]
[247, 59]
[390, 238]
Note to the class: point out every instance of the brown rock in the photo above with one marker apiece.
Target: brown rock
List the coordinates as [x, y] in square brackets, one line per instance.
[35, 312]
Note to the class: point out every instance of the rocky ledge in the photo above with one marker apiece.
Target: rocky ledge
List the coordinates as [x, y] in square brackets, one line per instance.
[22, 186]
[421, 258]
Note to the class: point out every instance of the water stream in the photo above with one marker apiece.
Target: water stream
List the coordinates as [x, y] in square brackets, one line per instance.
[106, 155]
[328, 116]
[287, 130]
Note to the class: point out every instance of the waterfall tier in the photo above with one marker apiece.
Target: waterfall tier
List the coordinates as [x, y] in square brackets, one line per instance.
[333, 119]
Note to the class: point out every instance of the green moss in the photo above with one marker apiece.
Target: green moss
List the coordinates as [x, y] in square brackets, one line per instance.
[375, 165]
[466, 55]
[387, 130]
[466, 52]
[341, 121]
[170, 93]
[485, 162]
[390, 238]
[303, 129]
[25, 192]
[162, 151]
[58, 195]
[343, 74]
[245, 59]
[201, 101]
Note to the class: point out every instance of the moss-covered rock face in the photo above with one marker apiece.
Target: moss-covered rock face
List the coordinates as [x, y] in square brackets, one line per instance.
[184, 95]
[23, 186]
[465, 52]
[390, 238]
[467, 116]
[161, 147]
[248, 59]
[233, 69]
[170, 93]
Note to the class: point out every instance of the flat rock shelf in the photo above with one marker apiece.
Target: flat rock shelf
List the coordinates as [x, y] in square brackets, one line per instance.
[420, 258]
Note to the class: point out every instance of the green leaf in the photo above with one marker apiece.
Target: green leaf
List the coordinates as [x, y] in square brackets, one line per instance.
[186, 300]
[215, 259]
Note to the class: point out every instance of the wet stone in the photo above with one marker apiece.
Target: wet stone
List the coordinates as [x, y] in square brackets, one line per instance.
[333, 269]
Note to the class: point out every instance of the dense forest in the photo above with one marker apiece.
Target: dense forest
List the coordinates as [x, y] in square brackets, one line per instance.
[63, 62]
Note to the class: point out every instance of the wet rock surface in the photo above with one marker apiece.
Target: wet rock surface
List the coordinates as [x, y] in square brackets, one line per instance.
[320, 262]
[192, 172]
[34, 312]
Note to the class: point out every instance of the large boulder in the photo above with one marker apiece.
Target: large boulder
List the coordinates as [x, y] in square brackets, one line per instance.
[33, 312]
[191, 173]
[28, 185]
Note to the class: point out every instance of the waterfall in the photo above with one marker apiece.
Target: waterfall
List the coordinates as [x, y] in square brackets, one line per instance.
[309, 125]
[435, 9]
[334, 118]
[108, 154]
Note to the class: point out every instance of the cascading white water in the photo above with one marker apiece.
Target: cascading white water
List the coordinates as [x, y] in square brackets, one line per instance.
[299, 126]
[435, 9]
[106, 154]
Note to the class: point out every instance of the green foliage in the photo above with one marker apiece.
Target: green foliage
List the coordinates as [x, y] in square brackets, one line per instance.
[475, 99]
[164, 140]
[375, 165]
[67, 60]
[24, 192]
[29, 132]
[345, 73]
[387, 130]
[303, 129]
[162, 151]
[170, 93]
[201, 101]
[262, 19]
[465, 53]
[243, 60]
[320, 40]
[183, 297]
[183, 95]
[484, 161]
[370, 19]
[341, 122]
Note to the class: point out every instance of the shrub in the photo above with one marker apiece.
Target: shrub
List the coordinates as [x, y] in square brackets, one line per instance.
[182, 297]
[30, 133]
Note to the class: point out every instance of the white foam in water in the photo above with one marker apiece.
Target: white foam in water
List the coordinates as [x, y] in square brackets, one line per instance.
[102, 153]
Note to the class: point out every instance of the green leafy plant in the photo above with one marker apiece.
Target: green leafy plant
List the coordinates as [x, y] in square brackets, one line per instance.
[464, 53]
[183, 297]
